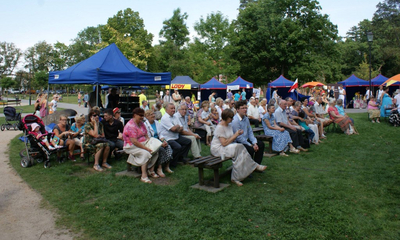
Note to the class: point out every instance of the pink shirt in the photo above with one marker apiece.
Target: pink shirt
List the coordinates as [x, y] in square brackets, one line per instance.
[370, 106]
[132, 130]
[330, 109]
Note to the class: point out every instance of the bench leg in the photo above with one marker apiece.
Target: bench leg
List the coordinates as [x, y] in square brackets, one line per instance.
[201, 176]
[270, 146]
[216, 177]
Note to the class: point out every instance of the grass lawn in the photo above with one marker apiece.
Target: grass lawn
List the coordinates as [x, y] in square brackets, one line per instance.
[346, 188]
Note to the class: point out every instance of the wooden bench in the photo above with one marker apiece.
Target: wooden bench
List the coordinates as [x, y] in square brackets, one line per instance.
[16, 101]
[210, 162]
[260, 136]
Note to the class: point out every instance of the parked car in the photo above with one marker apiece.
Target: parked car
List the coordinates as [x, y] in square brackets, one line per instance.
[14, 91]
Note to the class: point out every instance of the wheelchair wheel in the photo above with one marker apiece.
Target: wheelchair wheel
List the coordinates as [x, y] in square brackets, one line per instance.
[3, 127]
[25, 162]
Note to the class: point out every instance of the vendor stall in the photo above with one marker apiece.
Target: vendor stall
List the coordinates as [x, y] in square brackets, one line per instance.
[240, 84]
[213, 85]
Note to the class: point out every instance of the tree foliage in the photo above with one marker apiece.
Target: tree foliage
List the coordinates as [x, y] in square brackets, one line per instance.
[84, 44]
[39, 57]
[291, 38]
[9, 57]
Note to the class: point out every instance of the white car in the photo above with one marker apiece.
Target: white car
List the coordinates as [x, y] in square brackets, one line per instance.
[13, 91]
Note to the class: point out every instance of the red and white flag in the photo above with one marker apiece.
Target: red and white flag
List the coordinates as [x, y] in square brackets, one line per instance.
[294, 86]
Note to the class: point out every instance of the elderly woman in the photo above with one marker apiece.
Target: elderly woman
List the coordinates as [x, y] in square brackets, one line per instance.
[165, 151]
[344, 122]
[305, 122]
[262, 109]
[62, 131]
[94, 129]
[78, 129]
[190, 109]
[219, 104]
[281, 140]
[373, 110]
[310, 115]
[135, 137]
[339, 107]
[223, 145]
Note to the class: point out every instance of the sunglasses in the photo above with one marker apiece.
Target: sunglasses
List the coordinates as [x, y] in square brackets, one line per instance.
[95, 115]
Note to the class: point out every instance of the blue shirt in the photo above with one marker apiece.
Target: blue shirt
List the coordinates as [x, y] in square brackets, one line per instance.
[270, 118]
[237, 96]
[153, 126]
[340, 110]
[244, 124]
[243, 95]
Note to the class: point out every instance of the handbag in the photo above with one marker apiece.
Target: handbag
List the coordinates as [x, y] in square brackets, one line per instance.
[98, 140]
[154, 144]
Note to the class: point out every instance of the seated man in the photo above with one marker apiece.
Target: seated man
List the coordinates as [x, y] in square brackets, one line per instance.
[240, 121]
[113, 130]
[281, 119]
[170, 131]
[187, 133]
[253, 114]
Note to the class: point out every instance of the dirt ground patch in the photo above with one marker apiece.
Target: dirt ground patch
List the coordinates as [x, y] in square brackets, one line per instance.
[21, 211]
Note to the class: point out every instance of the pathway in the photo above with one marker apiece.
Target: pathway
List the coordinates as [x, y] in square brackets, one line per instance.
[22, 216]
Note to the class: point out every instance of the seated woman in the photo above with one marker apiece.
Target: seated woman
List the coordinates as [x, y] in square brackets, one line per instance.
[222, 145]
[165, 151]
[94, 129]
[62, 131]
[281, 140]
[203, 121]
[339, 107]
[386, 103]
[78, 129]
[312, 117]
[135, 136]
[344, 122]
[373, 110]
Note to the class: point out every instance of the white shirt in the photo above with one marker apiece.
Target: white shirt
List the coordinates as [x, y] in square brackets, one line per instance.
[219, 110]
[167, 122]
[319, 109]
[379, 94]
[397, 97]
[182, 120]
[261, 110]
[367, 94]
[54, 106]
[253, 112]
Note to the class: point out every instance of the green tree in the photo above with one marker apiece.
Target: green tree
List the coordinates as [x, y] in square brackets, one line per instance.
[362, 71]
[39, 57]
[214, 33]
[175, 34]
[41, 80]
[386, 30]
[9, 57]
[129, 22]
[61, 57]
[6, 83]
[83, 45]
[286, 37]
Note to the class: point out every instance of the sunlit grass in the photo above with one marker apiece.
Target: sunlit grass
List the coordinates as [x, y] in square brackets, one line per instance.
[346, 188]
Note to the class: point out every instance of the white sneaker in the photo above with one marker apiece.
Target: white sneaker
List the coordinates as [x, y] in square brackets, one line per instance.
[51, 148]
[323, 135]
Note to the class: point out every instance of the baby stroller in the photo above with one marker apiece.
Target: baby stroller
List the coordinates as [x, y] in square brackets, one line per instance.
[34, 148]
[12, 118]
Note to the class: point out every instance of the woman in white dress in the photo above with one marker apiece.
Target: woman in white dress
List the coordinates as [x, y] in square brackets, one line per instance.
[223, 145]
[342, 94]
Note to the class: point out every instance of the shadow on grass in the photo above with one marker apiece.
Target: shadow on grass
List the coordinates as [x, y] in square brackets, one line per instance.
[347, 187]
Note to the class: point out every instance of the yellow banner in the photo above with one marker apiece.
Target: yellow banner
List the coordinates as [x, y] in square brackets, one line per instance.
[179, 86]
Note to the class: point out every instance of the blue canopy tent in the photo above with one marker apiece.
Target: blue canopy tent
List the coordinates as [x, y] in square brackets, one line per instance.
[379, 80]
[243, 84]
[352, 85]
[210, 86]
[283, 85]
[184, 80]
[110, 67]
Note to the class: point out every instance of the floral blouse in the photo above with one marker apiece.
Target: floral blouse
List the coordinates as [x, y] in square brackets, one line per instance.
[132, 130]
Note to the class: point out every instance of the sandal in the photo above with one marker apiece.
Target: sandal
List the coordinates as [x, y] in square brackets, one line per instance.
[239, 184]
[168, 170]
[160, 173]
[106, 165]
[261, 168]
[97, 168]
[283, 154]
[145, 180]
[152, 174]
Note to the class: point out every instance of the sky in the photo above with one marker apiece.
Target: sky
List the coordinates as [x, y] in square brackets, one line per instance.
[26, 22]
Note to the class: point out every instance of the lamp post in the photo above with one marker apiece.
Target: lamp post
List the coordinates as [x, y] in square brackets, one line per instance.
[370, 38]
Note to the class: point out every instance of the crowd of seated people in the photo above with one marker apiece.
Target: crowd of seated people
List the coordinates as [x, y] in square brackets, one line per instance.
[157, 140]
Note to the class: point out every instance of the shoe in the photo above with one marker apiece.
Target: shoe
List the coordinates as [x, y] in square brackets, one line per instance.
[283, 154]
[302, 149]
[239, 184]
[58, 146]
[160, 173]
[378, 121]
[323, 136]
[106, 165]
[294, 150]
[145, 180]
[97, 168]
[71, 157]
[168, 170]
[373, 121]
[51, 148]
[152, 174]
[261, 168]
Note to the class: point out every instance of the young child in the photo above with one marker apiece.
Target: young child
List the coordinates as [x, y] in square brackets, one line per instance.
[43, 138]
[214, 116]
[206, 116]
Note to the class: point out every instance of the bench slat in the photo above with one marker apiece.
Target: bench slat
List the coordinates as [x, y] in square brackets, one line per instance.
[201, 160]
